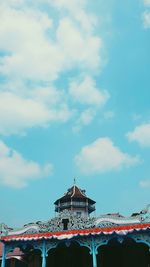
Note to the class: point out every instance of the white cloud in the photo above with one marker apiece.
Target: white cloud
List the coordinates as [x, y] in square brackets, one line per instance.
[85, 92]
[72, 5]
[17, 172]
[146, 19]
[145, 183]
[14, 3]
[85, 118]
[140, 134]
[29, 53]
[109, 115]
[19, 113]
[78, 47]
[147, 2]
[136, 116]
[38, 47]
[34, 48]
[102, 156]
[146, 14]
[77, 10]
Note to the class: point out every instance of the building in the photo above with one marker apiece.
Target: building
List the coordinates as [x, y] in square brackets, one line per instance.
[76, 201]
[75, 238]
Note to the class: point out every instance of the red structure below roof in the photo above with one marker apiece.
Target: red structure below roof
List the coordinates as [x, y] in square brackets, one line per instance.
[16, 253]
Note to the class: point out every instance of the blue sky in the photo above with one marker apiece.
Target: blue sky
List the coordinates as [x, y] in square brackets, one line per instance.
[74, 102]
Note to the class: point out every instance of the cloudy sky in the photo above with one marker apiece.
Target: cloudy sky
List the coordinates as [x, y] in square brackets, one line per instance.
[74, 102]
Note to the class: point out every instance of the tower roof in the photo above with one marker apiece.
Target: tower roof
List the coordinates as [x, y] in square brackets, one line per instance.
[74, 193]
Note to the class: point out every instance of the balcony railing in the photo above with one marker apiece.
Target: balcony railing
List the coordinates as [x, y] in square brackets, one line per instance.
[75, 204]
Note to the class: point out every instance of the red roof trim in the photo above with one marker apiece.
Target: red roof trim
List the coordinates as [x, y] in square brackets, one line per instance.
[69, 234]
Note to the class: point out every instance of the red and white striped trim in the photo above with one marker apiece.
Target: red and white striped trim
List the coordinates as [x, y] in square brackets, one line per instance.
[120, 230]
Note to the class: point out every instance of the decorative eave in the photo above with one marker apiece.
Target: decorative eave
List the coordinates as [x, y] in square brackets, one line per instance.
[118, 230]
[79, 224]
[74, 192]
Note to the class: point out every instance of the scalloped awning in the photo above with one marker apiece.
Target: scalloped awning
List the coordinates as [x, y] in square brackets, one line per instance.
[119, 230]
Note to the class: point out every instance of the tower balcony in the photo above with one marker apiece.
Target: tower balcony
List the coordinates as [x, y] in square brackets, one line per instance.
[74, 205]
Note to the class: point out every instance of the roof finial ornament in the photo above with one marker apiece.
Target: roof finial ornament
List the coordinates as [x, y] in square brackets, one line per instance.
[74, 181]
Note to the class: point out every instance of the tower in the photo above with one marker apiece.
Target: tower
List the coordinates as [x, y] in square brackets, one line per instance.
[76, 201]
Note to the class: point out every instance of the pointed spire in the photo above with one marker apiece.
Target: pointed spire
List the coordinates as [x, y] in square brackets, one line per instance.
[74, 181]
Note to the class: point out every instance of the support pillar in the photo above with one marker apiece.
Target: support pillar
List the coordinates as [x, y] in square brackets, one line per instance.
[3, 256]
[93, 252]
[44, 254]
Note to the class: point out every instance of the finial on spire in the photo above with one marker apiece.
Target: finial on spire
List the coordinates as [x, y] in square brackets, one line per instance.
[74, 181]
